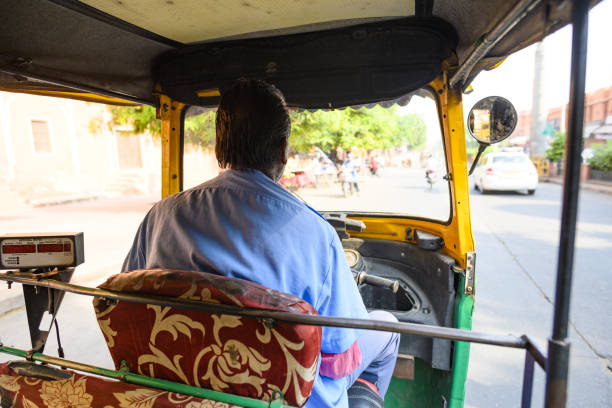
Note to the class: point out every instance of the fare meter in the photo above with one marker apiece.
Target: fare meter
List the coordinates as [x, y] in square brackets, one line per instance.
[42, 250]
[41, 256]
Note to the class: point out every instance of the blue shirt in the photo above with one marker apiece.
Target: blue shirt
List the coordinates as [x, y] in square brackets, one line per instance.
[244, 225]
[351, 169]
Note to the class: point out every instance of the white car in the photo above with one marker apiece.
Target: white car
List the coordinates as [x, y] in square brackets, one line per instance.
[505, 171]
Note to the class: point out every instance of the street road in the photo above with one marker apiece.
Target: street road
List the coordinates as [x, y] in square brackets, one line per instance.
[516, 238]
[516, 242]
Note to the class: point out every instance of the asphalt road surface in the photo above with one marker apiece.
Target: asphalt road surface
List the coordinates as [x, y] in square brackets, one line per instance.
[516, 241]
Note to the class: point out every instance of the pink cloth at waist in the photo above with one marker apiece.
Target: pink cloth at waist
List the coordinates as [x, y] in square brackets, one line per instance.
[341, 364]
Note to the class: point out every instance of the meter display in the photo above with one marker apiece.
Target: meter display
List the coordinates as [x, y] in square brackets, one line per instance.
[47, 250]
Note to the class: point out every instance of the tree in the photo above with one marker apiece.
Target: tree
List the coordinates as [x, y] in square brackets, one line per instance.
[315, 128]
[602, 157]
[413, 131]
[141, 118]
[471, 145]
[367, 128]
[200, 129]
[557, 147]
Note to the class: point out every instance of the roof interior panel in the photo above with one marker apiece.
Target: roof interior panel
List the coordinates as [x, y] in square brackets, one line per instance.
[191, 21]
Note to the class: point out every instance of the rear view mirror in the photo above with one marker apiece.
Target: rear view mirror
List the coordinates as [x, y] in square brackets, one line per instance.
[490, 121]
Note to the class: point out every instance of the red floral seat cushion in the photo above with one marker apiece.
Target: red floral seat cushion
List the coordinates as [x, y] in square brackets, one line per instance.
[83, 391]
[226, 353]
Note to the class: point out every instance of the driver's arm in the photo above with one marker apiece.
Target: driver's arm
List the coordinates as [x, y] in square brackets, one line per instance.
[136, 258]
[339, 297]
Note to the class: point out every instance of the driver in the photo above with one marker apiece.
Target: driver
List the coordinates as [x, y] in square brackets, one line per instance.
[243, 224]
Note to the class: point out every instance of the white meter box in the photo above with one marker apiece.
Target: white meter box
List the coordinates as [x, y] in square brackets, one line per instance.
[43, 250]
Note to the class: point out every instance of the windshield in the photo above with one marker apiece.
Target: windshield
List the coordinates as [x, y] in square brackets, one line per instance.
[367, 160]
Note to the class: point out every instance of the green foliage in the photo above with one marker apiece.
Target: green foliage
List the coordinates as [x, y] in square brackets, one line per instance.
[95, 126]
[602, 157]
[471, 145]
[200, 129]
[141, 118]
[411, 131]
[375, 128]
[557, 147]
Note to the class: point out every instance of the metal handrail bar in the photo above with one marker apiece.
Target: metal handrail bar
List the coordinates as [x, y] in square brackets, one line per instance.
[77, 87]
[489, 40]
[535, 352]
[312, 320]
[527, 390]
[133, 378]
[558, 344]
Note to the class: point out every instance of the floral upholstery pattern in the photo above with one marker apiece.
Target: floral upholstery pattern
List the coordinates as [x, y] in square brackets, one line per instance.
[238, 355]
[83, 391]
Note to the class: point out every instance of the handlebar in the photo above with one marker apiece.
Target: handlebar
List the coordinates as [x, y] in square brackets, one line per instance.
[362, 277]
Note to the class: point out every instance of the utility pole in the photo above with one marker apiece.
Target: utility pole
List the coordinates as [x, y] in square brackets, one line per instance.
[537, 140]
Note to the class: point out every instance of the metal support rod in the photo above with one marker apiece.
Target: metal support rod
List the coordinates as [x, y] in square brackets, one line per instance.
[527, 381]
[558, 347]
[312, 320]
[141, 379]
[73, 85]
[535, 352]
[481, 149]
[511, 19]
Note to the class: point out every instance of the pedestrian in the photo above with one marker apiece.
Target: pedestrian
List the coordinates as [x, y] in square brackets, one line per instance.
[318, 170]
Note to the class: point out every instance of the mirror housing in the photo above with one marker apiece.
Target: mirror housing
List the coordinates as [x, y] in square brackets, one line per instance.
[491, 120]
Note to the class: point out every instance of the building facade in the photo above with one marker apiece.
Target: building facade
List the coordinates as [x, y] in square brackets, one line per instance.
[597, 127]
[597, 117]
[520, 135]
[54, 146]
[61, 148]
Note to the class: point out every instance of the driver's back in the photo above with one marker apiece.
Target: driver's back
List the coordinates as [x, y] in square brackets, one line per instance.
[246, 226]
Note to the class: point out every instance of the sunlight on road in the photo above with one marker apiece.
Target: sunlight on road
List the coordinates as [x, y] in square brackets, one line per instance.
[396, 190]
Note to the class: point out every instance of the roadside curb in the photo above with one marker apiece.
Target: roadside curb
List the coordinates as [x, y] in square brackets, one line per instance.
[47, 202]
[605, 188]
[12, 301]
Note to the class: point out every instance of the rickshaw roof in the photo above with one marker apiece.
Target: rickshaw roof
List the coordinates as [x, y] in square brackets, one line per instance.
[321, 53]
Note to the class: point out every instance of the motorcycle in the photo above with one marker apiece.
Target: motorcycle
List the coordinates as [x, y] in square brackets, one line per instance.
[430, 177]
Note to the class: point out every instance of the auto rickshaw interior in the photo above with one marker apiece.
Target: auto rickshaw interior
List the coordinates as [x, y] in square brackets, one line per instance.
[322, 56]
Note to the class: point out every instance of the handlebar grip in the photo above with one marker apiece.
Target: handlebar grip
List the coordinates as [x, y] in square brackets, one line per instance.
[373, 280]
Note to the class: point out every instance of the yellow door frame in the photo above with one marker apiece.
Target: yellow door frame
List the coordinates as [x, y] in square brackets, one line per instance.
[171, 114]
[457, 234]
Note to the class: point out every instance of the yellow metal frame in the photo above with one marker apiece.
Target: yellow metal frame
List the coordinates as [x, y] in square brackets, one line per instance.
[457, 233]
[77, 95]
[171, 114]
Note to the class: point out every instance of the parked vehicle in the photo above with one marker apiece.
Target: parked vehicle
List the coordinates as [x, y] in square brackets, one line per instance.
[506, 171]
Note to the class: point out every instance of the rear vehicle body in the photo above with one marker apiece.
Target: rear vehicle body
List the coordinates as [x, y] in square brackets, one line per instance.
[506, 171]
[179, 57]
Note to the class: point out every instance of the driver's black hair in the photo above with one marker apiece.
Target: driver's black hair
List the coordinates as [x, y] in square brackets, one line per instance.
[252, 122]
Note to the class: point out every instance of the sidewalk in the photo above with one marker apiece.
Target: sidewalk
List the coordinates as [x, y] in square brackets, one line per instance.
[64, 199]
[11, 202]
[591, 185]
[12, 299]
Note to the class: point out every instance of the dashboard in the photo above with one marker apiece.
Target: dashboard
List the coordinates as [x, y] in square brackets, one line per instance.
[425, 293]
